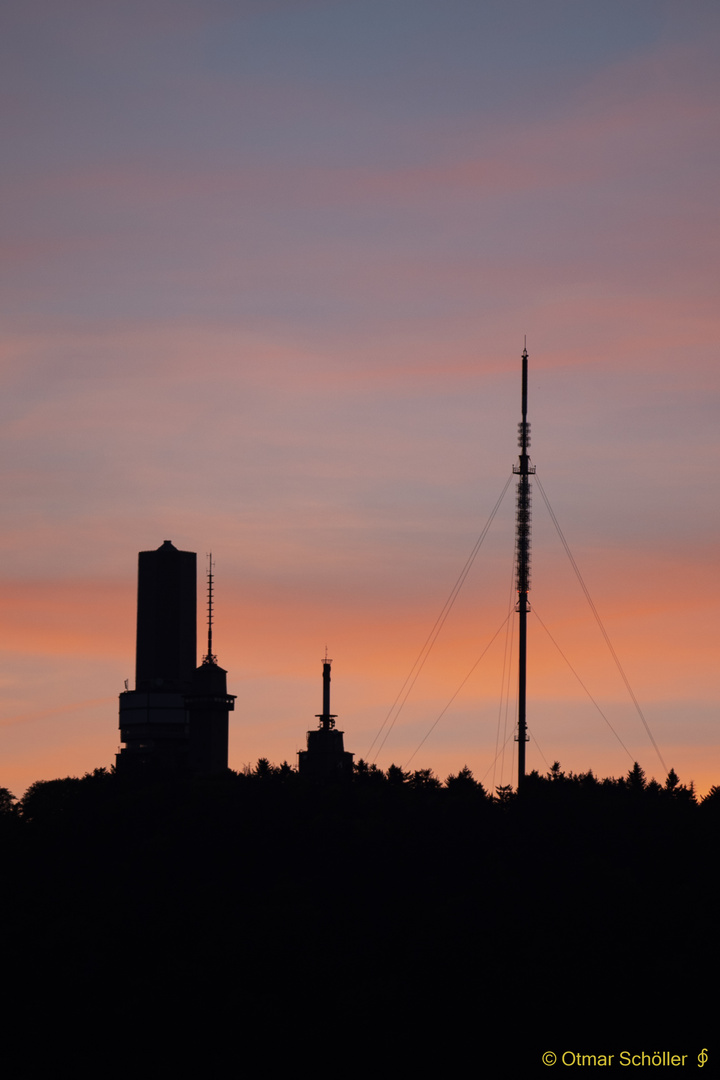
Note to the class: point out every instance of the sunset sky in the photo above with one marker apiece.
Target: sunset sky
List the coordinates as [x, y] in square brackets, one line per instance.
[267, 270]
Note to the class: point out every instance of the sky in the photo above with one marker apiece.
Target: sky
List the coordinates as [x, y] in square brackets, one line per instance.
[268, 267]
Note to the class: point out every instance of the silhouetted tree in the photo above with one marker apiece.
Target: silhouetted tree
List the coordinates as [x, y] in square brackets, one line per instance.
[676, 790]
[366, 774]
[635, 780]
[588, 780]
[504, 794]
[8, 803]
[710, 805]
[397, 776]
[464, 786]
[46, 798]
[425, 779]
[464, 781]
[671, 781]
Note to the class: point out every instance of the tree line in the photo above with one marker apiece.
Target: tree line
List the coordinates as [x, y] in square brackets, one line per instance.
[54, 797]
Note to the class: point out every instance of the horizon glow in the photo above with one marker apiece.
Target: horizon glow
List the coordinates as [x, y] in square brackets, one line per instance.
[267, 271]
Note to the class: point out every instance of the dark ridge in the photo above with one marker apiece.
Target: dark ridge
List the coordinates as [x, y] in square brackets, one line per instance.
[389, 900]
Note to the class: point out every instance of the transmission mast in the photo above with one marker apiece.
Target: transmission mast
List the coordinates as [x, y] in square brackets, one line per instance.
[210, 658]
[522, 557]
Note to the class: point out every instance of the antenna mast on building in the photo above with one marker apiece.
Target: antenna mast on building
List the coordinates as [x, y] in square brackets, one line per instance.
[326, 718]
[522, 552]
[210, 659]
[326, 757]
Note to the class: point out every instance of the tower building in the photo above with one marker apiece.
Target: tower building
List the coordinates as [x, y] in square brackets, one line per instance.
[325, 757]
[208, 704]
[166, 650]
[176, 718]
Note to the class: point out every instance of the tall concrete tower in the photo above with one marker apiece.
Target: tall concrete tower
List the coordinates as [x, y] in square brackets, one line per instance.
[173, 719]
[166, 619]
[325, 757]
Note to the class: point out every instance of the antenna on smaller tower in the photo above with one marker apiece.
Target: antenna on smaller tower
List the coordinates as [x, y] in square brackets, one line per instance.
[326, 718]
[210, 658]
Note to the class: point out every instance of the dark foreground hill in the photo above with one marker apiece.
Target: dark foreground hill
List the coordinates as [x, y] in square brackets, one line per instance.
[389, 915]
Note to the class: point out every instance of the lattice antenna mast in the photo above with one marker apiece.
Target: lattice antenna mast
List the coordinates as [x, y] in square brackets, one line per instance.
[210, 658]
[522, 553]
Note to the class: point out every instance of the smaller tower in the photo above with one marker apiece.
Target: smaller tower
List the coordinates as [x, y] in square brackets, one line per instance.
[208, 704]
[325, 757]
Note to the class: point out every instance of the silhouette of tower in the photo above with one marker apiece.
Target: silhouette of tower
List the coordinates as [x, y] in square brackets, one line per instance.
[208, 704]
[325, 757]
[162, 721]
[166, 618]
[522, 551]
